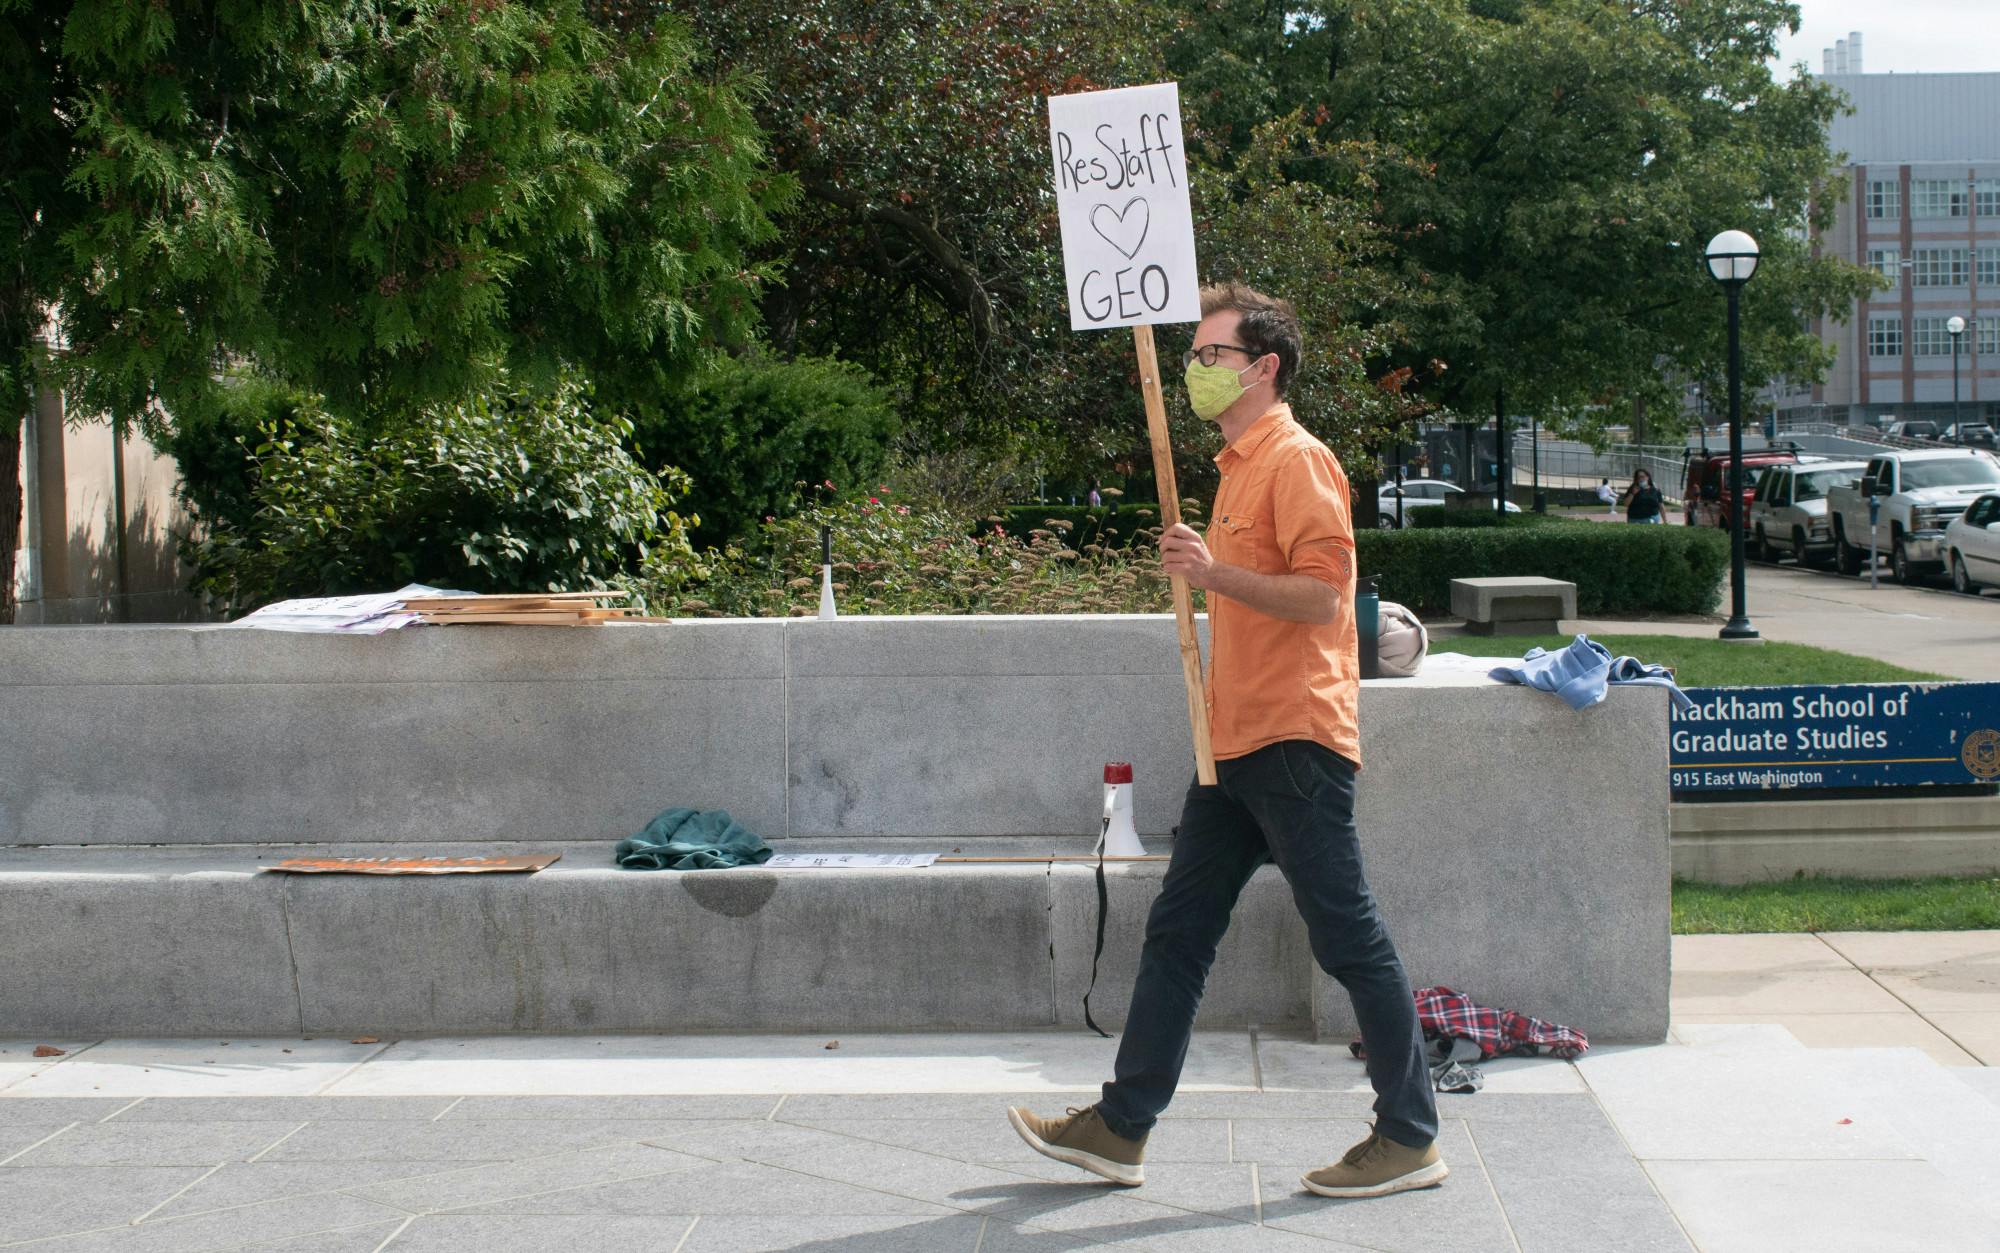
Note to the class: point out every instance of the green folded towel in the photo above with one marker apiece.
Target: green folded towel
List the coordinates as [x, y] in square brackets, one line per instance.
[692, 839]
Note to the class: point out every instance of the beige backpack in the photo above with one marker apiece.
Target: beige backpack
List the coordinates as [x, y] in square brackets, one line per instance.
[1403, 644]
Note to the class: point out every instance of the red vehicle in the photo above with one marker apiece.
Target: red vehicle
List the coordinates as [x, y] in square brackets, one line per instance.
[1706, 502]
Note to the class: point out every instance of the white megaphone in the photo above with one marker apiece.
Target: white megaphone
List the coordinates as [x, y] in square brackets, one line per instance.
[1120, 838]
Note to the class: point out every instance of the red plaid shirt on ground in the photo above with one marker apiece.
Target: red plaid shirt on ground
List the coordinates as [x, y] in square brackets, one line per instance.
[1498, 1032]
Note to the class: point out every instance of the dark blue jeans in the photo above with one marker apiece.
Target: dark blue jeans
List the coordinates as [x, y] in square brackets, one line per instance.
[1291, 803]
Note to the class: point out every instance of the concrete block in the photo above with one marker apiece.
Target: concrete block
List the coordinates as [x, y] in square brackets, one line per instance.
[744, 648]
[1753, 840]
[1535, 887]
[1262, 971]
[332, 761]
[138, 954]
[963, 755]
[1028, 645]
[984, 726]
[594, 950]
[1527, 605]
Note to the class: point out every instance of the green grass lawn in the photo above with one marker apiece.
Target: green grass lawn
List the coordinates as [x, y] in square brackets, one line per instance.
[1702, 662]
[1837, 905]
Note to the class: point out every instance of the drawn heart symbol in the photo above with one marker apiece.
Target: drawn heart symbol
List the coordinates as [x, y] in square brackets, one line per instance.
[1116, 226]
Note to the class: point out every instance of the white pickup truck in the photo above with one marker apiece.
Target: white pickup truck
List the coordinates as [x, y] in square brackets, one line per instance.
[1920, 492]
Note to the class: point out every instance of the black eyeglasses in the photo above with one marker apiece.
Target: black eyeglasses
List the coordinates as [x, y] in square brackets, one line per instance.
[1205, 353]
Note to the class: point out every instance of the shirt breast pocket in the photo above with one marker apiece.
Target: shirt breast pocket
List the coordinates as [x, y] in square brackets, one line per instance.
[1247, 541]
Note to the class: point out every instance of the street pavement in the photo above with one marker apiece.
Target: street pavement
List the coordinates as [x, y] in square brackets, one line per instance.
[1929, 629]
[1735, 1134]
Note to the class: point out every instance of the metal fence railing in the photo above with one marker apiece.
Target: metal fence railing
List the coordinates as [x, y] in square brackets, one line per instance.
[1566, 463]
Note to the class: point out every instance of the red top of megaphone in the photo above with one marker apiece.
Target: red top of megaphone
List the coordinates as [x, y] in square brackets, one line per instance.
[1117, 772]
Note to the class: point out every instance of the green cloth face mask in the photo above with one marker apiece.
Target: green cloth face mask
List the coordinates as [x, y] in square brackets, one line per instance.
[1213, 388]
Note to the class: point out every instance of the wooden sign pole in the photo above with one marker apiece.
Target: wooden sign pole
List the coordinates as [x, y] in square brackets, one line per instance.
[1170, 515]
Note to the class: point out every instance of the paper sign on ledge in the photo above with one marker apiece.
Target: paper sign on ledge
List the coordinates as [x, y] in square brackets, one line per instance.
[1122, 197]
[850, 861]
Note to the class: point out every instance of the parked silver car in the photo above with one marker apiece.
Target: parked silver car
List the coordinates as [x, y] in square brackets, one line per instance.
[1788, 515]
[1418, 494]
[1972, 545]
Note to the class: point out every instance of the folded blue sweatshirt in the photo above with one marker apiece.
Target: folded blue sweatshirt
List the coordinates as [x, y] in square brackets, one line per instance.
[1583, 673]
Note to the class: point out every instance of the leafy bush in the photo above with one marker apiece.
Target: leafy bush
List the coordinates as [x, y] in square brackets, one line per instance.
[532, 493]
[896, 558]
[213, 447]
[1616, 569]
[1431, 517]
[1112, 527]
[751, 429]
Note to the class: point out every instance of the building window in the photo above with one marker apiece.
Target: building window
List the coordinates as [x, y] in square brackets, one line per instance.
[1928, 338]
[1885, 337]
[1887, 263]
[1989, 336]
[1937, 198]
[1986, 197]
[1938, 267]
[1885, 198]
[1988, 269]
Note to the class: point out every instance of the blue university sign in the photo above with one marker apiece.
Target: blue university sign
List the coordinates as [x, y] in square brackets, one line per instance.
[1846, 736]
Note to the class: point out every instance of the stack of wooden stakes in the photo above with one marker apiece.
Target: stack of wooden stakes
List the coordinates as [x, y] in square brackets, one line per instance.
[526, 609]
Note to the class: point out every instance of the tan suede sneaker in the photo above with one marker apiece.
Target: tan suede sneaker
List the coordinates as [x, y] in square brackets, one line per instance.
[1376, 1167]
[1083, 1140]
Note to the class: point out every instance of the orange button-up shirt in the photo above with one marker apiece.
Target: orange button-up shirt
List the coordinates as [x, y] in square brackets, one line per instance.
[1282, 508]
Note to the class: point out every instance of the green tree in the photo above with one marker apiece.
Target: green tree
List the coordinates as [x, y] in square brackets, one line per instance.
[1294, 217]
[1563, 163]
[924, 245]
[389, 204]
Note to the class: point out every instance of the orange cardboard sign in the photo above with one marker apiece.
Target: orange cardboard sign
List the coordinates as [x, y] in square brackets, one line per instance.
[414, 865]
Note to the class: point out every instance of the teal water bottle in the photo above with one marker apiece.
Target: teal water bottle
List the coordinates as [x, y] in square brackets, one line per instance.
[1368, 625]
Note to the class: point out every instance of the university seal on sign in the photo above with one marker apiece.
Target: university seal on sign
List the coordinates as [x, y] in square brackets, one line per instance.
[1982, 754]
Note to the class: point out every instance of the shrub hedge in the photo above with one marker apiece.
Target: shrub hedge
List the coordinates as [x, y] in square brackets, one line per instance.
[1616, 569]
[751, 431]
[1432, 517]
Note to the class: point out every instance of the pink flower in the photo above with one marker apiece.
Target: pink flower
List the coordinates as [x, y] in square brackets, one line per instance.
[829, 484]
[874, 500]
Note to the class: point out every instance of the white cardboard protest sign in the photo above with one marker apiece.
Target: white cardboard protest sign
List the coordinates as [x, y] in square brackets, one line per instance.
[1122, 198]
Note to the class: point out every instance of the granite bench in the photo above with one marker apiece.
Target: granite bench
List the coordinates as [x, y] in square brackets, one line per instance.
[148, 774]
[1522, 605]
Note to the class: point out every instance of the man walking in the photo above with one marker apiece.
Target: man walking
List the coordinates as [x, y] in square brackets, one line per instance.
[1278, 565]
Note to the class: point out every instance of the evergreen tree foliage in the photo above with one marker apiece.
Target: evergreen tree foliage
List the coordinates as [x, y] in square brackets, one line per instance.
[391, 204]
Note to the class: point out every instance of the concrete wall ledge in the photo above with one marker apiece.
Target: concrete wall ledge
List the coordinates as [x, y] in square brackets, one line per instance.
[1890, 838]
[1520, 848]
[201, 941]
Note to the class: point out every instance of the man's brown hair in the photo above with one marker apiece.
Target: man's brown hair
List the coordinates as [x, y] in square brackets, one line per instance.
[1269, 325]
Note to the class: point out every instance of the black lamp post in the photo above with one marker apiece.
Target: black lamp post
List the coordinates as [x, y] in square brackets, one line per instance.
[1955, 325]
[1732, 259]
[1535, 451]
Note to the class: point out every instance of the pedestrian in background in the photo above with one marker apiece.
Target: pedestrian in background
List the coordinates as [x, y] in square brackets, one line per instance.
[1643, 502]
[1607, 496]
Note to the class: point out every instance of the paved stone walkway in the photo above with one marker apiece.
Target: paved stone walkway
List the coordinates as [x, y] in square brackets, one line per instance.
[918, 1172]
[1731, 1136]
